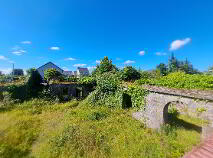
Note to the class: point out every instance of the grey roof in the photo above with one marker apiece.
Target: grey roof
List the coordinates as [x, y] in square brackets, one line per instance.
[83, 69]
[52, 64]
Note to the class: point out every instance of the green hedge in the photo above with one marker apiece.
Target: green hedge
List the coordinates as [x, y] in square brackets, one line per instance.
[181, 80]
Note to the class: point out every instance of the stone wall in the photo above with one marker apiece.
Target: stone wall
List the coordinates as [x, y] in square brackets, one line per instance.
[70, 90]
[156, 111]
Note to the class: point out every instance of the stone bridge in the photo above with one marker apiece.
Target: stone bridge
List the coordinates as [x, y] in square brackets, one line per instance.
[192, 102]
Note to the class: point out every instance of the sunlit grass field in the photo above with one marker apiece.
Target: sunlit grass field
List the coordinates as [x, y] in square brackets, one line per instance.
[42, 130]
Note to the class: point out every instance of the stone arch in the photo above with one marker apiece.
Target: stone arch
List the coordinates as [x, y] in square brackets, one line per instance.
[178, 104]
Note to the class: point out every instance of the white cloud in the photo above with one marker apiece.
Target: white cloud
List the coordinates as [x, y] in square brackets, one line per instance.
[141, 53]
[19, 52]
[26, 42]
[160, 54]
[98, 61]
[54, 48]
[177, 44]
[6, 59]
[129, 62]
[79, 65]
[70, 59]
[3, 58]
[6, 71]
[65, 68]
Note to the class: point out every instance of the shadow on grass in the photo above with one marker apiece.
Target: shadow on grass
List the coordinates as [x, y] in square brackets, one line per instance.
[9, 151]
[173, 120]
[6, 109]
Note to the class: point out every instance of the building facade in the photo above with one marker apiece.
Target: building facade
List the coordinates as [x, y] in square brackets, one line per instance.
[18, 72]
[82, 72]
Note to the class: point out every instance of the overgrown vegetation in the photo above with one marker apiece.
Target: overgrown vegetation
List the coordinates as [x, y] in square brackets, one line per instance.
[37, 128]
[130, 74]
[175, 65]
[181, 80]
[52, 75]
[35, 124]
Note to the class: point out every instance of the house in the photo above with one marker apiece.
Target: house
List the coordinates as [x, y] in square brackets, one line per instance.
[18, 72]
[68, 73]
[75, 73]
[82, 72]
[47, 66]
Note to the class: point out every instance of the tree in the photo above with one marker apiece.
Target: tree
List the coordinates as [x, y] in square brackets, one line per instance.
[210, 70]
[34, 82]
[30, 71]
[52, 75]
[163, 69]
[185, 66]
[130, 74]
[105, 66]
[173, 64]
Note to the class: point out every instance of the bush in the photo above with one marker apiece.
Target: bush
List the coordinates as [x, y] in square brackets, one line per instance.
[130, 74]
[108, 82]
[34, 83]
[137, 96]
[52, 75]
[18, 93]
[181, 80]
[105, 66]
[72, 79]
[88, 81]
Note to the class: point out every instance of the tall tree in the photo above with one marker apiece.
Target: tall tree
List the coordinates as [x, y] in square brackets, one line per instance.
[52, 75]
[105, 66]
[173, 64]
[210, 70]
[163, 69]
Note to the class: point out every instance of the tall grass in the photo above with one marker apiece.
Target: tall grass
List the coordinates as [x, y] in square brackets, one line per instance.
[74, 129]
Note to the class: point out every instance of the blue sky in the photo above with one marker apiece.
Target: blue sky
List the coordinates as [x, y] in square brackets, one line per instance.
[80, 32]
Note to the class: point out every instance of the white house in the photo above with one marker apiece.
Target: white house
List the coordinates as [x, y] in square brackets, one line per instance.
[47, 66]
[82, 72]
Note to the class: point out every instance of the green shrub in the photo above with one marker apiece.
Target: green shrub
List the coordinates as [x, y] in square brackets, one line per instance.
[108, 82]
[88, 81]
[137, 96]
[52, 75]
[105, 66]
[130, 74]
[181, 80]
[34, 83]
[18, 93]
[72, 79]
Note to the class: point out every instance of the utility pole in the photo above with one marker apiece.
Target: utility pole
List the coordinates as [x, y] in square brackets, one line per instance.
[13, 70]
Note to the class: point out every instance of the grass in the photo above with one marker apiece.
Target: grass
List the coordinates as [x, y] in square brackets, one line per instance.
[39, 130]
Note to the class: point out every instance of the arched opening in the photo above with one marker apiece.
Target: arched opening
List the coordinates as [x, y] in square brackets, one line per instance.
[126, 101]
[171, 115]
[171, 109]
[79, 92]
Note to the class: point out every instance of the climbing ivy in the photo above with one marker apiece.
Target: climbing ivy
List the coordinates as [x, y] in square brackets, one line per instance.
[137, 96]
